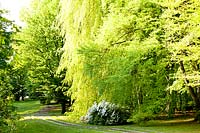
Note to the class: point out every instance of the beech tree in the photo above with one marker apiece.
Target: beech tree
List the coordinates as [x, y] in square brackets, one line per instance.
[40, 49]
[182, 37]
[127, 52]
[113, 53]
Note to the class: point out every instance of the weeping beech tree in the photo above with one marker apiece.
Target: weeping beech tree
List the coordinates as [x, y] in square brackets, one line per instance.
[79, 20]
[127, 61]
[125, 51]
[113, 52]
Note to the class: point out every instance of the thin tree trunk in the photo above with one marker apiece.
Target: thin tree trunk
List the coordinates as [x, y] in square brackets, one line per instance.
[192, 92]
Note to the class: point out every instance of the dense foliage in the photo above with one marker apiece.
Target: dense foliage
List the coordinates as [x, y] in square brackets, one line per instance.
[181, 24]
[130, 52]
[7, 115]
[38, 52]
[141, 54]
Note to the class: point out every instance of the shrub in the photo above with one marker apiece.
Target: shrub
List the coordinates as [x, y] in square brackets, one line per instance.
[106, 113]
[8, 116]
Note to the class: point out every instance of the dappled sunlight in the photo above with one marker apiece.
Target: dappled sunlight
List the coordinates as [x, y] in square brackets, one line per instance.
[178, 121]
[44, 117]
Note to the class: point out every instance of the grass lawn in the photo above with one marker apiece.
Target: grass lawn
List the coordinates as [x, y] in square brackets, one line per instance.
[27, 107]
[41, 126]
[168, 126]
[157, 126]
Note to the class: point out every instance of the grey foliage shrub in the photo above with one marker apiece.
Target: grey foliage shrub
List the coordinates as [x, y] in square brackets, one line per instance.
[106, 113]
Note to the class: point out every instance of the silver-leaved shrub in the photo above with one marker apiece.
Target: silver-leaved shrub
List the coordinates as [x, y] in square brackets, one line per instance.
[106, 113]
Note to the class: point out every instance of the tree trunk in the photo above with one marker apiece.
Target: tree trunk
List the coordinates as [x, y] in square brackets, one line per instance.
[17, 97]
[23, 95]
[172, 105]
[63, 106]
[192, 93]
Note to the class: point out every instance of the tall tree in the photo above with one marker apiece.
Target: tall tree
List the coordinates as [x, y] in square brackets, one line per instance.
[6, 111]
[79, 21]
[182, 37]
[40, 49]
[120, 53]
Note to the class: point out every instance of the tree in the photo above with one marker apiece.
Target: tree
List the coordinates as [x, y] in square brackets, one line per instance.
[79, 22]
[181, 25]
[120, 55]
[18, 80]
[7, 116]
[39, 50]
[5, 49]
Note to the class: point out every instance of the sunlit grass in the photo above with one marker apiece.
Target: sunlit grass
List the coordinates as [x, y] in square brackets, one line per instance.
[27, 107]
[38, 124]
[42, 126]
[166, 126]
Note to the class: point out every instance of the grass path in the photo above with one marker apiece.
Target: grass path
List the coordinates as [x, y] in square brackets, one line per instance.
[93, 127]
[43, 114]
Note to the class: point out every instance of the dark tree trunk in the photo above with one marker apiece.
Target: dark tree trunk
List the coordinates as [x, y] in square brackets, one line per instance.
[22, 98]
[17, 97]
[23, 95]
[63, 106]
[194, 95]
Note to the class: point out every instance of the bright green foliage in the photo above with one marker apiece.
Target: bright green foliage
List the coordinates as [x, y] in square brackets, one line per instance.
[80, 21]
[120, 51]
[182, 37]
[7, 116]
[41, 42]
[122, 61]
[127, 65]
[40, 49]
[182, 32]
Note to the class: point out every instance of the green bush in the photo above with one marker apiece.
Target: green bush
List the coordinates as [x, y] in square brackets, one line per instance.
[8, 116]
[106, 113]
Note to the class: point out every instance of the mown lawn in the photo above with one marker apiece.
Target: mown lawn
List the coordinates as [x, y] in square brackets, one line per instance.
[27, 107]
[167, 126]
[42, 126]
